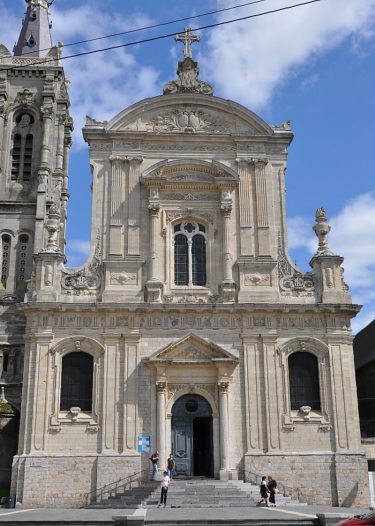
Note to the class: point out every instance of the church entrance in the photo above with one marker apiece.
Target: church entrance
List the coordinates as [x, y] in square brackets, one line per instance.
[192, 443]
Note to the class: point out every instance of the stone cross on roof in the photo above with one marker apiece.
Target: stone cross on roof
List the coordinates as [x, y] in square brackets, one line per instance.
[187, 38]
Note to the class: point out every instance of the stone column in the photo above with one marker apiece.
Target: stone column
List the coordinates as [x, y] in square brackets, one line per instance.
[154, 216]
[154, 287]
[161, 417]
[246, 208]
[43, 173]
[227, 259]
[134, 206]
[116, 210]
[262, 220]
[60, 143]
[227, 286]
[110, 422]
[224, 425]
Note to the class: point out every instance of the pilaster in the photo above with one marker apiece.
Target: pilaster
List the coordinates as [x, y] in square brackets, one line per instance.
[134, 206]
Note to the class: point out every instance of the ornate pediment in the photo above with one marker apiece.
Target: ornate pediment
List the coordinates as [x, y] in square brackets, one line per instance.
[185, 173]
[191, 119]
[192, 349]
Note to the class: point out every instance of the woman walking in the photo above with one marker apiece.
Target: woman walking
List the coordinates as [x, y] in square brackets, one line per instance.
[264, 491]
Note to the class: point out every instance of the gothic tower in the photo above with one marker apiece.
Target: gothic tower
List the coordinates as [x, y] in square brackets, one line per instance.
[35, 129]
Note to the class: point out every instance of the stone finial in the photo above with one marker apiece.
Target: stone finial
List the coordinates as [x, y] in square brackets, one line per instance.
[188, 70]
[322, 229]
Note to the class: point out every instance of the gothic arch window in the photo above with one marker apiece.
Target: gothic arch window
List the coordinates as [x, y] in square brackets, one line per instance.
[22, 147]
[5, 258]
[22, 257]
[76, 381]
[189, 240]
[304, 381]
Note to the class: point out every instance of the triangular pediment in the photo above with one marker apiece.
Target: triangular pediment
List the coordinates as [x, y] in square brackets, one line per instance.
[192, 348]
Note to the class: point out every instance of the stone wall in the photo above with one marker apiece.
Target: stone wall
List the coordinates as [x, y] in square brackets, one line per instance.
[67, 481]
[327, 479]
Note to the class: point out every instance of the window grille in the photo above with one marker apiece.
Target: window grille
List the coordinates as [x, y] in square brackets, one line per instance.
[304, 380]
[76, 381]
[22, 257]
[5, 256]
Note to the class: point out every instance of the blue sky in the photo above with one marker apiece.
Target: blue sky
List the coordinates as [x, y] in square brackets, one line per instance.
[313, 65]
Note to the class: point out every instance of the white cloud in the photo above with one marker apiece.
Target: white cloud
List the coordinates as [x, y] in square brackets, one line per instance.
[353, 237]
[103, 83]
[77, 252]
[248, 60]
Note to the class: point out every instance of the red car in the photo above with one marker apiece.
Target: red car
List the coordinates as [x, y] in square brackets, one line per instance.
[360, 520]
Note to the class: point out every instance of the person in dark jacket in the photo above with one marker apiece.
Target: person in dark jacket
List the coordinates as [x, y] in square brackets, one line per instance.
[272, 485]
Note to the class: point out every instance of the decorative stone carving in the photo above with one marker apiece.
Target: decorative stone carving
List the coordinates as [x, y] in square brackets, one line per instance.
[189, 120]
[85, 281]
[93, 122]
[190, 196]
[305, 410]
[171, 215]
[291, 281]
[322, 230]
[25, 98]
[284, 126]
[53, 225]
[74, 411]
[123, 278]
[258, 279]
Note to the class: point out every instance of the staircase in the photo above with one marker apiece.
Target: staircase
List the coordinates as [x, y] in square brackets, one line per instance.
[194, 493]
[209, 493]
[128, 498]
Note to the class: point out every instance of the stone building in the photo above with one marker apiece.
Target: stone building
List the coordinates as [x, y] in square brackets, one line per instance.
[189, 323]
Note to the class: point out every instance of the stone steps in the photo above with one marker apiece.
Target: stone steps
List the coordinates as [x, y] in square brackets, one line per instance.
[191, 493]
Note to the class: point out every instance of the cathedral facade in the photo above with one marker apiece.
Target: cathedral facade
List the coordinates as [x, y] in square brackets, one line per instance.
[189, 327]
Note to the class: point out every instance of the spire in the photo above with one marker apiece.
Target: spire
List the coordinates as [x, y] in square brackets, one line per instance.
[35, 36]
[188, 70]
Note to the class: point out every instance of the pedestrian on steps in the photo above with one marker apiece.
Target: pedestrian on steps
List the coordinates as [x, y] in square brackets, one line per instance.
[164, 489]
[264, 491]
[154, 460]
[272, 488]
[171, 466]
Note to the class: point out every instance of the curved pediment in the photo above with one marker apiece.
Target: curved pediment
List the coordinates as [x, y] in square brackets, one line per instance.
[194, 114]
[188, 171]
[192, 349]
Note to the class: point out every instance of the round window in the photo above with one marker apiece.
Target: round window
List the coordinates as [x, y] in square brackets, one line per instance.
[191, 406]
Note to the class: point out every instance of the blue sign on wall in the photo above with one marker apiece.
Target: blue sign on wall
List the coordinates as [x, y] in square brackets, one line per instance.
[144, 443]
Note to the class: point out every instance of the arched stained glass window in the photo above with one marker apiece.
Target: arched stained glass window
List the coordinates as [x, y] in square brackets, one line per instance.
[76, 381]
[189, 254]
[5, 256]
[304, 381]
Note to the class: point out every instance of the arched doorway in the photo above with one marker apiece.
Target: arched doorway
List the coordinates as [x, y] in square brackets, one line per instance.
[192, 443]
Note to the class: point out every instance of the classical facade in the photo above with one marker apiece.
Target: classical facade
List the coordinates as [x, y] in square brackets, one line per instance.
[189, 323]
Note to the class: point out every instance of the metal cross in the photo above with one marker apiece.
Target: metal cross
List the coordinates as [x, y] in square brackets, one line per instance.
[187, 38]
